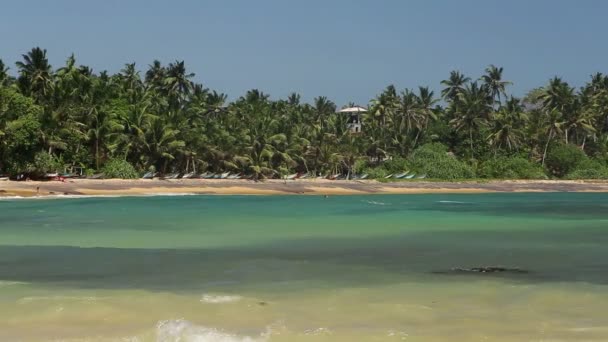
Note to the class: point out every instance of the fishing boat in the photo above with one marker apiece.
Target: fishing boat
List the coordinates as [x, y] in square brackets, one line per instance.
[292, 176]
[421, 176]
[148, 175]
[410, 176]
[189, 175]
[389, 176]
[364, 176]
[207, 175]
[401, 175]
[225, 175]
[334, 177]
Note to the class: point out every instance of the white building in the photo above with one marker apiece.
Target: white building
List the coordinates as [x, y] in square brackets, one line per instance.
[354, 120]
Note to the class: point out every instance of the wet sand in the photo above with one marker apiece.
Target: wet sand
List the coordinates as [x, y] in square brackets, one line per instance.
[120, 187]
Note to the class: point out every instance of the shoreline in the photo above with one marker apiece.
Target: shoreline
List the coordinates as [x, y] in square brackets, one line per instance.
[145, 187]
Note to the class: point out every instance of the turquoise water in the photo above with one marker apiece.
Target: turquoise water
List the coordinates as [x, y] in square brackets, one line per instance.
[200, 268]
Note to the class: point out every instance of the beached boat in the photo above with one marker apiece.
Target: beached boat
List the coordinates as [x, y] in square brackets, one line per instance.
[389, 176]
[334, 177]
[172, 176]
[401, 175]
[148, 175]
[421, 176]
[207, 175]
[364, 176]
[410, 176]
[189, 175]
[225, 175]
[292, 176]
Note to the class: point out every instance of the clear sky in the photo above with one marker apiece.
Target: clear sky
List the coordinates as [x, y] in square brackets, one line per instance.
[348, 50]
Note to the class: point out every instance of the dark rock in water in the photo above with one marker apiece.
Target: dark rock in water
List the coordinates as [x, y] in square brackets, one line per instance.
[486, 269]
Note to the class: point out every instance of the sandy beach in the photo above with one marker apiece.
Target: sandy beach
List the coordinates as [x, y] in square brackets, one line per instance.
[120, 187]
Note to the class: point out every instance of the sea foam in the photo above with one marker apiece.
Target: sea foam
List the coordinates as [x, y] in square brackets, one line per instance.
[184, 331]
[219, 299]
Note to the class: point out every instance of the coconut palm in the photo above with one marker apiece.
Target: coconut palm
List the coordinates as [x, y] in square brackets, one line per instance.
[494, 83]
[35, 74]
[454, 85]
[472, 111]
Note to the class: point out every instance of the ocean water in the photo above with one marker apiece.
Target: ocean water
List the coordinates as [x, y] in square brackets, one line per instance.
[305, 268]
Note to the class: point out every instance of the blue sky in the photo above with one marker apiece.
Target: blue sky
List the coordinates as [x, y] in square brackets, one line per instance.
[346, 50]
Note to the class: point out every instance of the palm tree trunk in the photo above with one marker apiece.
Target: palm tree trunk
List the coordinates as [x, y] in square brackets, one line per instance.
[97, 153]
[547, 147]
[471, 141]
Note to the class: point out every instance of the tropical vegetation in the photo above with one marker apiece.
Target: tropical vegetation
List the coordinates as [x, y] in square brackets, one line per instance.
[125, 124]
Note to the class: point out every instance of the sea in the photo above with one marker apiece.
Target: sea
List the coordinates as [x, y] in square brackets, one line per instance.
[435, 267]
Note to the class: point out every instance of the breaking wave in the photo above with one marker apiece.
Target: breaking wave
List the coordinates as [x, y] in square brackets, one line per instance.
[184, 331]
[219, 299]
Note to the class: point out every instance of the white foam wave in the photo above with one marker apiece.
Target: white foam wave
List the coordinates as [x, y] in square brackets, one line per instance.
[26, 300]
[454, 202]
[10, 283]
[184, 331]
[218, 299]
[376, 203]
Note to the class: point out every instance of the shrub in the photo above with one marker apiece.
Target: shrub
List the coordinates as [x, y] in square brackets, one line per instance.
[118, 168]
[589, 169]
[564, 158]
[45, 162]
[395, 165]
[375, 172]
[511, 168]
[434, 161]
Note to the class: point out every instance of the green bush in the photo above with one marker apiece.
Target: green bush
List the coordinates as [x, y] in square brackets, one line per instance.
[395, 165]
[434, 161]
[589, 169]
[375, 172]
[118, 168]
[510, 168]
[563, 159]
[45, 162]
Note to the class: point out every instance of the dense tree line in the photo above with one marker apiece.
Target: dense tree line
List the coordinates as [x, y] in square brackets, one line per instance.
[53, 118]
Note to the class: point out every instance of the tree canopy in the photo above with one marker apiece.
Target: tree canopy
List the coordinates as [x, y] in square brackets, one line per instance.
[159, 118]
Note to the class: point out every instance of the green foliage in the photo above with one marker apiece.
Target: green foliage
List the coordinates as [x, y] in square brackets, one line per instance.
[564, 158]
[395, 165]
[45, 162]
[119, 168]
[589, 169]
[375, 172]
[161, 119]
[435, 162]
[511, 168]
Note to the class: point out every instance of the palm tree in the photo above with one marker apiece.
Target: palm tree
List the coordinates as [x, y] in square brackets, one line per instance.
[553, 123]
[506, 127]
[35, 74]
[454, 85]
[4, 76]
[493, 81]
[472, 111]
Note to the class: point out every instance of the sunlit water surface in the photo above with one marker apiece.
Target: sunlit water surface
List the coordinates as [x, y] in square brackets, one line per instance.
[305, 268]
